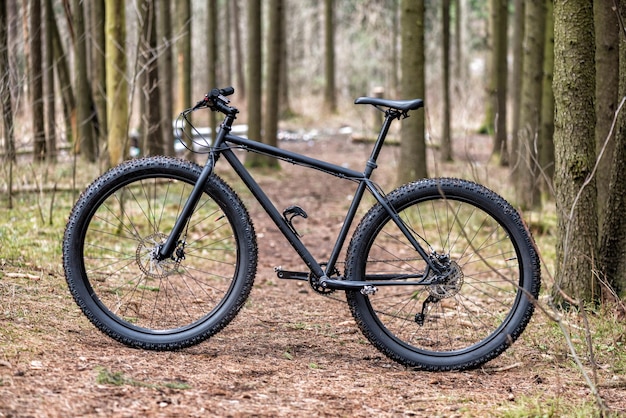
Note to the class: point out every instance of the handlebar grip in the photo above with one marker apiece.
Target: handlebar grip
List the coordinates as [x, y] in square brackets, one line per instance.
[227, 91]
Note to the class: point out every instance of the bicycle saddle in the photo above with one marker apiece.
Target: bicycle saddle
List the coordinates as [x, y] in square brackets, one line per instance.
[402, 105]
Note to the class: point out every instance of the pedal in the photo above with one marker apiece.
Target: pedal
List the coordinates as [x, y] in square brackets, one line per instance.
[290, 213]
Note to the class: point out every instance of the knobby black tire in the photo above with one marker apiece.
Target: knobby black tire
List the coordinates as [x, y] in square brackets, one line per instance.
[490, 297]
[109, 243]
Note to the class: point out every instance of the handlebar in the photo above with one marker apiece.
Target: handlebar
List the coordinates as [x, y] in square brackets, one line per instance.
[216, 101]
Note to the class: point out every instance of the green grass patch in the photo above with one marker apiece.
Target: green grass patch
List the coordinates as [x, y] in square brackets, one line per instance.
[106, 377]
[539, 407]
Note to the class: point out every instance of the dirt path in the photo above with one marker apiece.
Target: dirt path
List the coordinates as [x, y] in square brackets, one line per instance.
[290, 352]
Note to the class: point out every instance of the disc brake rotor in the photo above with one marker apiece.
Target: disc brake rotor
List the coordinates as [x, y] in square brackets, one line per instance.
[147, 260]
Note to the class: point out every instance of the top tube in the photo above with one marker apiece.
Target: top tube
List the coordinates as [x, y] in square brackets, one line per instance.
[295, 158]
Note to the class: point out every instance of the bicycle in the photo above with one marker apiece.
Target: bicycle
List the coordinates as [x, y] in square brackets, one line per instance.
[440, 274]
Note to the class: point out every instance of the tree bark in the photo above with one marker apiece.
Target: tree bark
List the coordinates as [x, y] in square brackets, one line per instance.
[330, 95]
[412, 163]
[546, 131]
[82, 90]
[607, 67]
[65, 85]
[446, 140]
[516, 83]
[500, 68]
[5, 87]
[574, 89]
[183, 67]
[254, 77]
[211, 53]
[613, 237]
[525, 172]
[49, 83]
[239, 63]
[274, 55]
[166, 73]
[117, 84]
[98, 70]
[36, 83]
[150, 91]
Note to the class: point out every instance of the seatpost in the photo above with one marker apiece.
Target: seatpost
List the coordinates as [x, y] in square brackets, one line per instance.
[390, 115]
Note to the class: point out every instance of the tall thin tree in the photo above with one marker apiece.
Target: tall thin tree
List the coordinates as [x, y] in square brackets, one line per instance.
[36, 82]
[116, 81]
[613, 237]
[166, 72]
[5, 87]
[574, 140]
[546, 131]
[607, 64]
[446, 140]
[150, 91]
[526, 171]
[98, 69]
[516, 82]
[500, 69]
[183, 62]
[253, 90]
[274, 55]
[412, 163]
[211, 45]
[330, 95]
[82, 89]
[50, 115]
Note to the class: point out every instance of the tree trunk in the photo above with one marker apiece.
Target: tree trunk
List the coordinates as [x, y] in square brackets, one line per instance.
[574, 88]
[65, 85]
[613, 238]
[254, 77]
[36, 82]
[546, 131]
[150, 91]
[607, 65]
[183, 59]
[516, 83]
[446, 141]
[458, 39]
[5, 88]
[239, 63]
[49, 83]
[211, 53]
[274, 55]
[117, 84]
[525, 172]
[84, 104]
[500, 68]
[98, 70]
[488, 126]
[330, 95]
[284, 100]
[412, 163]
[166, 73]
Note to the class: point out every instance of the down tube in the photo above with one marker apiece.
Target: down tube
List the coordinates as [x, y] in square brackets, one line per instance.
[273, 213]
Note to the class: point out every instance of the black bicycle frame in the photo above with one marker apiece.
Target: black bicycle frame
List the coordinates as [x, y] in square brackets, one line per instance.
[223, 146]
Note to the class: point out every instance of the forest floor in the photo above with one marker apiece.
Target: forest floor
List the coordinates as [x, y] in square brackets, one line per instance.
[289, 352]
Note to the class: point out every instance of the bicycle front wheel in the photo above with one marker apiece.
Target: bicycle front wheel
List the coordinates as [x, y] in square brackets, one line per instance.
[109, 254]
[486, 300]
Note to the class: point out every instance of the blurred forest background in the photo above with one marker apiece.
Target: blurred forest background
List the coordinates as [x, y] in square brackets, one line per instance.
[88, 79]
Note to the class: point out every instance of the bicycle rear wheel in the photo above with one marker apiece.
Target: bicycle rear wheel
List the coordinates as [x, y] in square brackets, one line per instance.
[487, 299]
[114, 233]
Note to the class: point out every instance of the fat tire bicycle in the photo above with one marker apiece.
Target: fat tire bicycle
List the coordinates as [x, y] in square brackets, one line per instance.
[440, 274]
